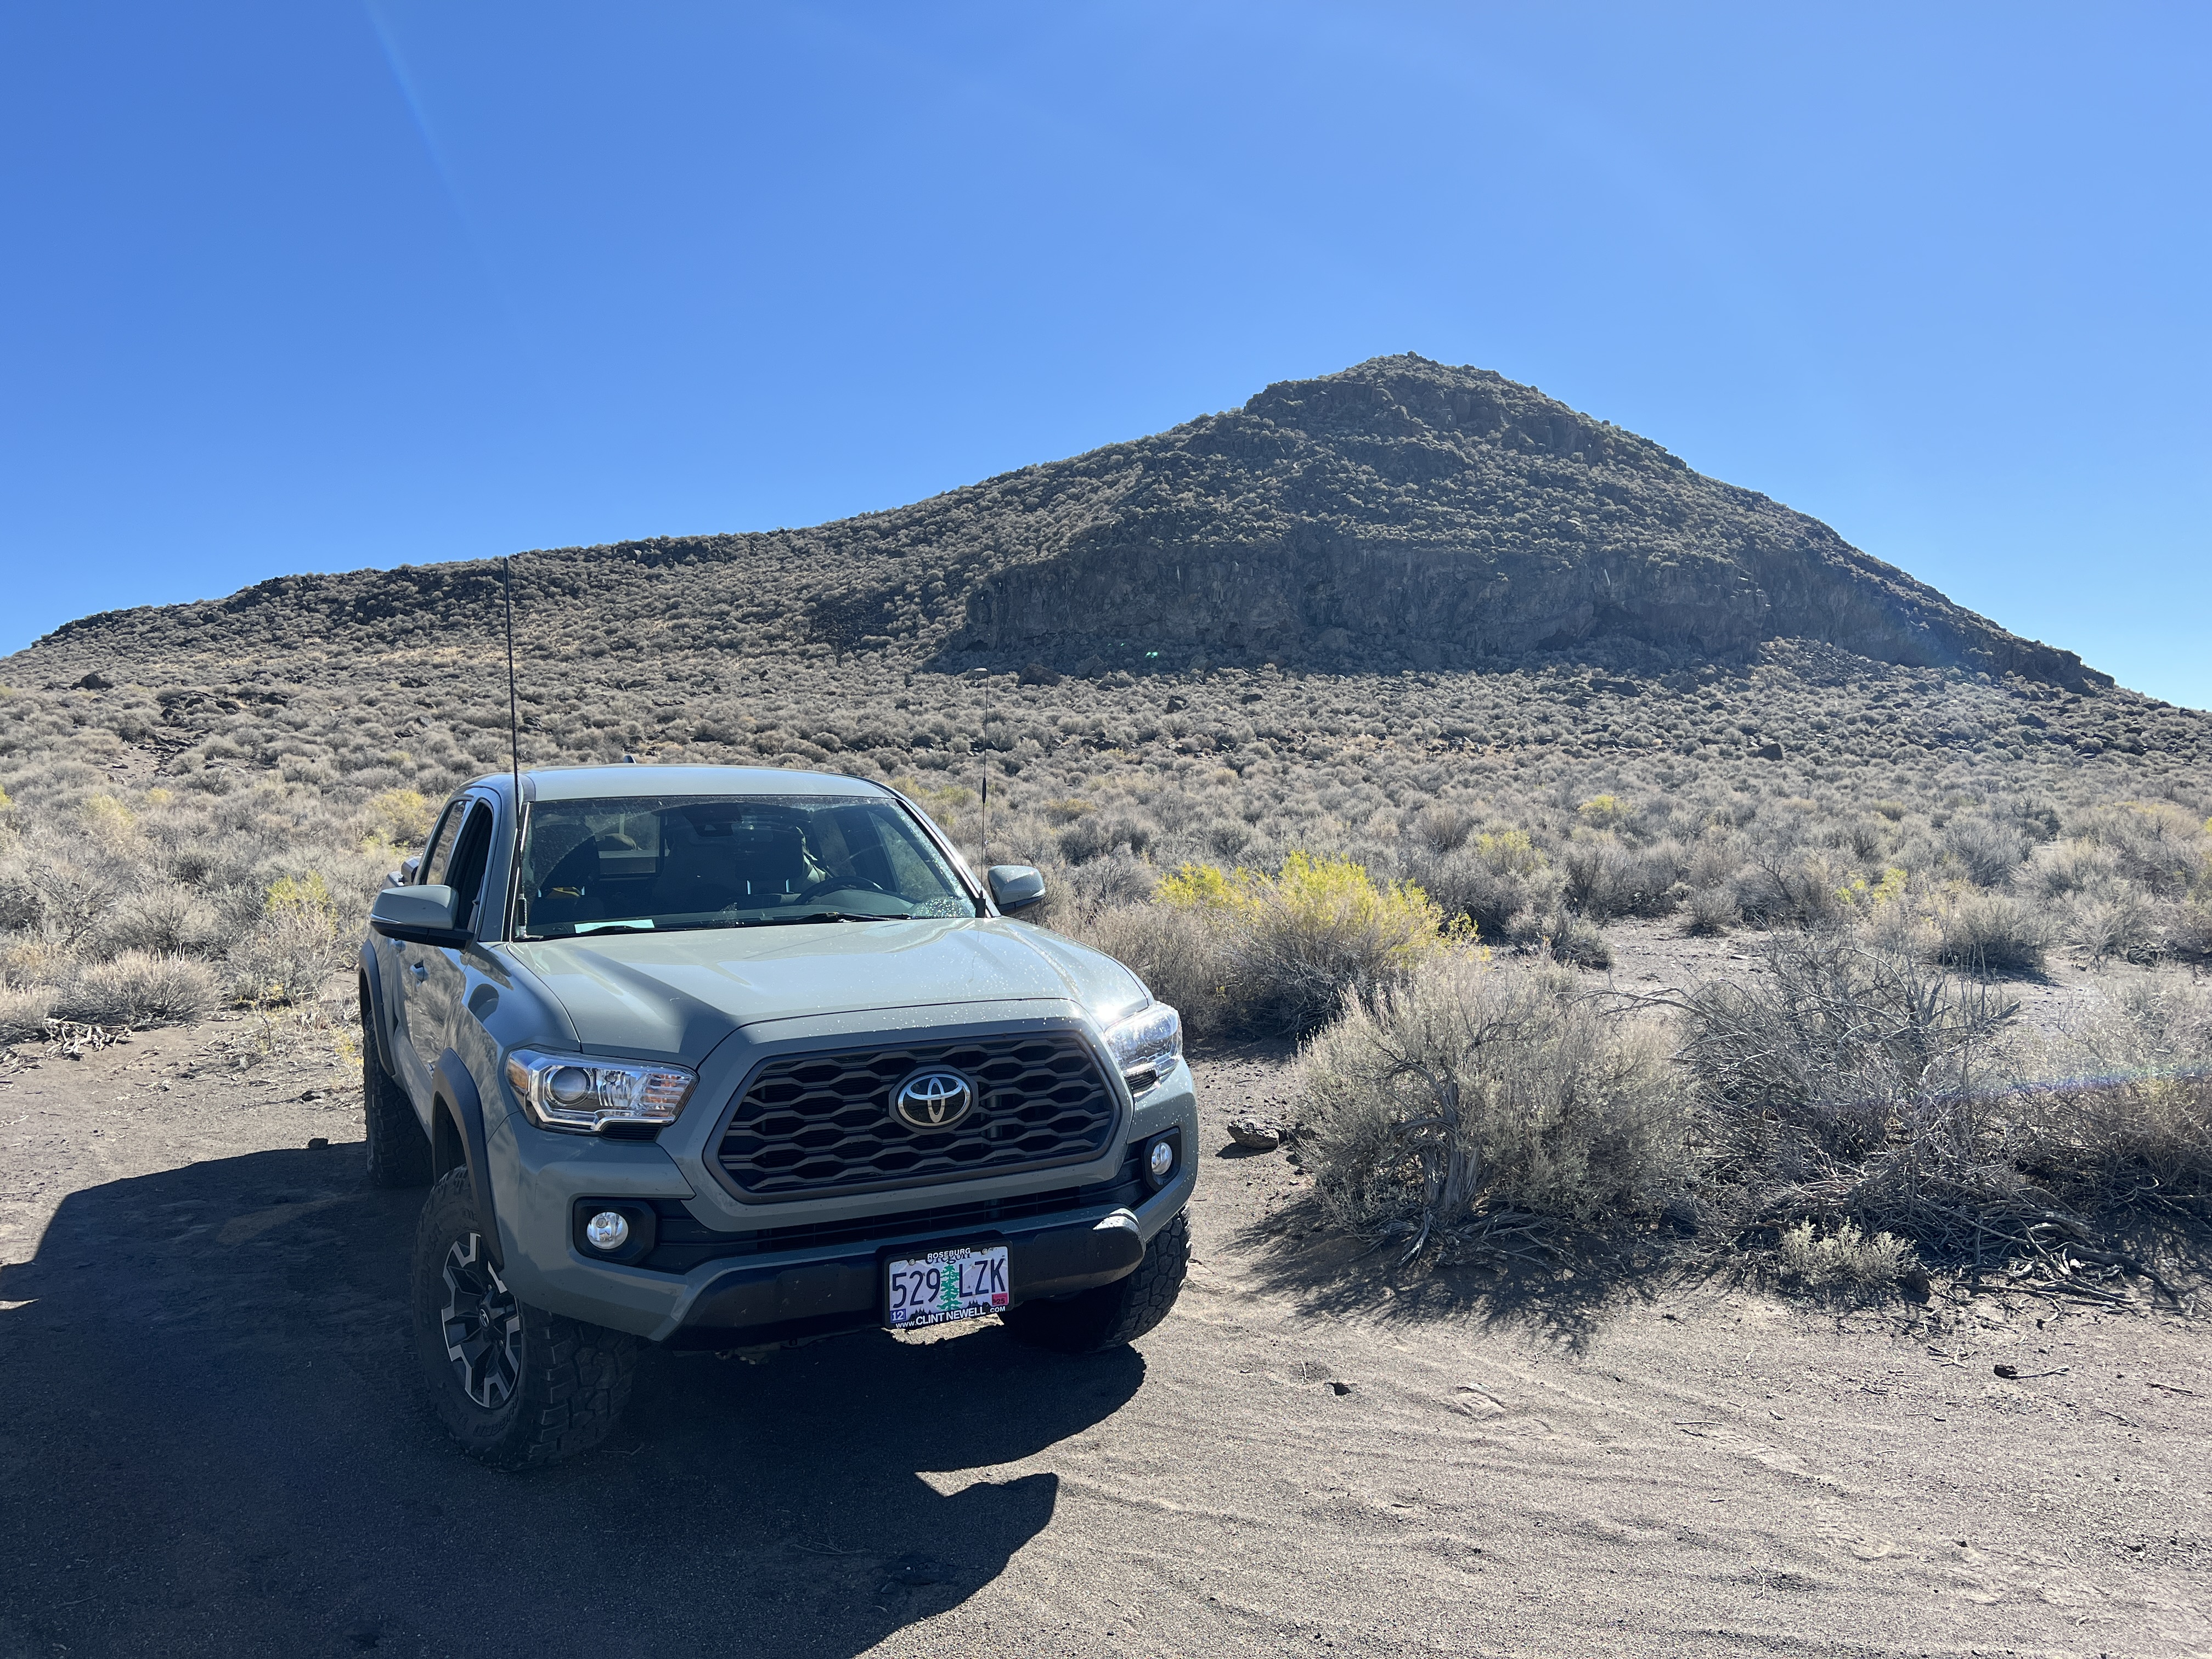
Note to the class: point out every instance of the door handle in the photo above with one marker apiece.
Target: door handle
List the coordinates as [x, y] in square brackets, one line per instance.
[420, 972]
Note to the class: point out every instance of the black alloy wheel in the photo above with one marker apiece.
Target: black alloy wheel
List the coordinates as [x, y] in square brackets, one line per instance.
[516, 1387]
[482, 1325]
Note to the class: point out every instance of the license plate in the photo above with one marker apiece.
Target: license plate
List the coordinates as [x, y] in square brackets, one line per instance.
[946, 1285]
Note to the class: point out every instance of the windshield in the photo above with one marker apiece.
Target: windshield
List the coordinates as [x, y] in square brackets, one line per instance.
[647, 864]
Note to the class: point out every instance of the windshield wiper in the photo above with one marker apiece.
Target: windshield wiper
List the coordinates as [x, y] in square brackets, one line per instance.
[821, 915]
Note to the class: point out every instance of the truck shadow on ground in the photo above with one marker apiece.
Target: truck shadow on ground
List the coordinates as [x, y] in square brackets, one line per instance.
[216, 1443]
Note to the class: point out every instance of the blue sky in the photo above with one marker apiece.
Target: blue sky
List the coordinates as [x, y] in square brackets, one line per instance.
[307, 287]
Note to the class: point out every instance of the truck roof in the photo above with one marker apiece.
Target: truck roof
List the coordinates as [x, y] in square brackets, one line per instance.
[626, 781]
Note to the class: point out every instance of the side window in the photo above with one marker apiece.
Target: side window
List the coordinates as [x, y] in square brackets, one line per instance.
[466, 869]
[431, 871]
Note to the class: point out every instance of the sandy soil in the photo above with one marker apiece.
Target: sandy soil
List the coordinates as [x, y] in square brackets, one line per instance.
[214, 1443]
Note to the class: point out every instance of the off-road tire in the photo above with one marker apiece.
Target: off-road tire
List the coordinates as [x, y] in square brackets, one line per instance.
[1114, 1315]
[398, 1150]
[570, 1381]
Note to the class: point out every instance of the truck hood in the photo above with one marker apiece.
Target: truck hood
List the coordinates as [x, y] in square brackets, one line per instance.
[676, 995]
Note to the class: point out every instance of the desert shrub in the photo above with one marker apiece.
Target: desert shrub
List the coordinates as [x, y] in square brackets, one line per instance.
[1605, 879]
[1800, 890]
[58, 895]
[1576, 941]
[1992, 932]
[1495, 901]
[2059, 868]
[1710, 910]
[1442, 827]
[1848, 1082]
[295, 945]
[2120, 1101]
[22, 902]
[1602, 811]
[137, 989]
[1473, 1094]
[1299, 939]
[1082, 889]
[2189, 930]
[2112, 919]
[1509, 852]
[2156, 844]
[402, 817]
[23, 1011]
[1713, 861]
[1096, 834]
[1180, 952]
[165, 921]
[35, 958]
[1985, 851]
[1846, 1255]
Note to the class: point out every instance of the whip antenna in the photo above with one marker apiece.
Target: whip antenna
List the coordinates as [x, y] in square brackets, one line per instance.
[514, 714]
[983, 750]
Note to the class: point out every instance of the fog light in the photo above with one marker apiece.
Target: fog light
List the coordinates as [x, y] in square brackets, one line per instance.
[608, 1231]
[1162, 1159]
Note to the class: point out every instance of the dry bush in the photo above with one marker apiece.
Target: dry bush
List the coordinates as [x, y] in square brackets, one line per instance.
[2113, 918]
[162, 921]
[1985, 851]
[2060, 868]
[1295, 943]
[1576, 941]
[2189, 929]
[2120, 1101]
[1485, 1098]
[1180, 952]
[1991, 933]
[1850, 1083]
[1098, 833]
[2156, 844]
[1442, 828]
[137, 989]
[299, 941]
[1791, 888]
[1844, 1256]
[24, 1010]
[1710, 910]
[1604, 879]
[1500, 903]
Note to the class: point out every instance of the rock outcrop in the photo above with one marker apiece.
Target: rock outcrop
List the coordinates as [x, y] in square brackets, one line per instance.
[1401, 513]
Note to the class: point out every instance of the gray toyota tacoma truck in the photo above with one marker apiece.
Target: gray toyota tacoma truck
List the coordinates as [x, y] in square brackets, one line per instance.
[733, 1058]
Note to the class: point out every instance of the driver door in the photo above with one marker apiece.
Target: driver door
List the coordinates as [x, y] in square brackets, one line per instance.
[435, 981]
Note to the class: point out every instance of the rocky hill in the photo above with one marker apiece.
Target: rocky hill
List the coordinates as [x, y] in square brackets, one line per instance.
[1401, 513]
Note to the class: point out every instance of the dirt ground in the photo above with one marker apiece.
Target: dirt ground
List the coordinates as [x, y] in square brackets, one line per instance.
[214, 1443]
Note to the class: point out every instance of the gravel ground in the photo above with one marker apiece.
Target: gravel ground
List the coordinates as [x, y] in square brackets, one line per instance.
[214, 1443]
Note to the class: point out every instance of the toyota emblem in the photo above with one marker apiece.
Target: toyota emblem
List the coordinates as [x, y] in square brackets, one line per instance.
[933, 1100]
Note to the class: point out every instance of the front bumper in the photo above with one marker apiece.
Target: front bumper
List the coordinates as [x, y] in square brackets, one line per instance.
[755, 1307]
[709, 1285]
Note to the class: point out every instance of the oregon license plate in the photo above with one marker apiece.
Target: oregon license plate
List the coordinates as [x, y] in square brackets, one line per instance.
[946, 1285]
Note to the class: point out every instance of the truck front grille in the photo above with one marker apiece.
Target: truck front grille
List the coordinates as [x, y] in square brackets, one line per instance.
[811, 1124]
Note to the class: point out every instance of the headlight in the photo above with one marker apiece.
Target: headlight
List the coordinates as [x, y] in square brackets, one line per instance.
[1147, 1045]
[586, 1095]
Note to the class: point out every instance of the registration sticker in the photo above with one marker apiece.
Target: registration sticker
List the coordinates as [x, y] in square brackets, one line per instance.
[945, 1286]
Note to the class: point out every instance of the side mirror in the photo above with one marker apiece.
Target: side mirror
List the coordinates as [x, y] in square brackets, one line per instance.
[420, 916]
[1014, 887]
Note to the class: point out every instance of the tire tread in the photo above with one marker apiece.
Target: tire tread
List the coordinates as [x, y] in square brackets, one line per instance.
[1116, 1314]
[576, 1378]
[398, 1150]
